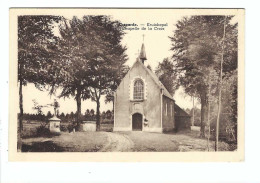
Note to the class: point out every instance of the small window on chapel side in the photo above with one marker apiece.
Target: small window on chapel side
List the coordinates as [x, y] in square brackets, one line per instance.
[138, 90]
[171, 110]
[166, 109]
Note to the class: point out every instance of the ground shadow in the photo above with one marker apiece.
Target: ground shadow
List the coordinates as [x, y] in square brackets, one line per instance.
[47, 146]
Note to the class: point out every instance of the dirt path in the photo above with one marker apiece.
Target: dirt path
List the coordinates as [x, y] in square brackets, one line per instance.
[118, 143]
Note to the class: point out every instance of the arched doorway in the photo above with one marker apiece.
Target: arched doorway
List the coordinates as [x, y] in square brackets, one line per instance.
[137, 122]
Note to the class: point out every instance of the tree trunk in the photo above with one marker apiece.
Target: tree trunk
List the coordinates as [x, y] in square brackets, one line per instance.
[98, 115]
[21, 106]
[204, 111]
[193, 112]
[19, 145]
[220, 86]
[113, 103]
[78, 99]
[209, 117]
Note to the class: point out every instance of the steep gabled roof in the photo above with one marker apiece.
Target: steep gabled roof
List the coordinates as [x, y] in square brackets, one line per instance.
[142, 55]
[180, 112]
[155, 78]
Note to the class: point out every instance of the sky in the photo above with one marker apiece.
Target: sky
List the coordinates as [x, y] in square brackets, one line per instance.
[157, 46]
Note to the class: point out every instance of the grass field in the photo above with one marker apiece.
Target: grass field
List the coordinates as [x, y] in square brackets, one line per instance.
[29, 128]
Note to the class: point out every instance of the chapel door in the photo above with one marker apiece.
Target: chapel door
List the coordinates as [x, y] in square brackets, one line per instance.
[137, 122]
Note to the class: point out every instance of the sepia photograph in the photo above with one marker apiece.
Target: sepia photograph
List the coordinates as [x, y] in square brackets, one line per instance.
[126, 84]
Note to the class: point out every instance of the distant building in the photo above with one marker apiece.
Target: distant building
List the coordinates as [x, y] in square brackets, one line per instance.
[142, 102]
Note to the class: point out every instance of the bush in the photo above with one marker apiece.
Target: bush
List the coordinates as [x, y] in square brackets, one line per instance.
[70, 127]
[42, 131]
[63, 128]
[108, 121]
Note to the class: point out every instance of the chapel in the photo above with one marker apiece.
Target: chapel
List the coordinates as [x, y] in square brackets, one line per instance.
[142, 103]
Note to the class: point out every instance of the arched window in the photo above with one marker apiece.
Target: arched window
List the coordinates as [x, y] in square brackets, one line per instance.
[138, 90]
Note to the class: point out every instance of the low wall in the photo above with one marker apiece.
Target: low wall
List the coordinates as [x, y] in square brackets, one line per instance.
[195, 128]
[88, 126]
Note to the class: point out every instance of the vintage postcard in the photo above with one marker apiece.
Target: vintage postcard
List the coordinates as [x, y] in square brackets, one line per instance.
[126, 85]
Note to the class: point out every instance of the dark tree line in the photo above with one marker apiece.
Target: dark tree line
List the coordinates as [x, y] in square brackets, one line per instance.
[89, 115]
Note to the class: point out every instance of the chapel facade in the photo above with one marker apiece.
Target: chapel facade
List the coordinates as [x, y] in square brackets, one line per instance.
[141, 102]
